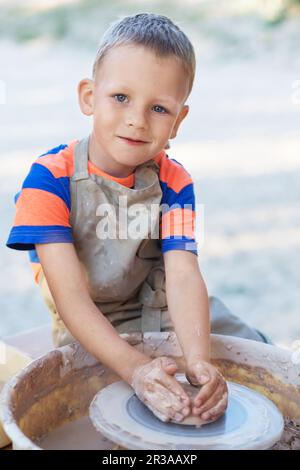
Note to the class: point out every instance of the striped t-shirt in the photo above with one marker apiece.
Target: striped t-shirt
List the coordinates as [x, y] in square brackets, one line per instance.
[43, 205]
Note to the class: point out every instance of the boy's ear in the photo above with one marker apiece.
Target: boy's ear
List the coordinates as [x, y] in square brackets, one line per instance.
[184, 111]
[86, 96]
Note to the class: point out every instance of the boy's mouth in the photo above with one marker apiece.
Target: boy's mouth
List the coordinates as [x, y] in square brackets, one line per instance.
[133, 141]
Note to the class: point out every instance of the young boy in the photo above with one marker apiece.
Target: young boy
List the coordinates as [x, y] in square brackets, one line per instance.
[84, 213]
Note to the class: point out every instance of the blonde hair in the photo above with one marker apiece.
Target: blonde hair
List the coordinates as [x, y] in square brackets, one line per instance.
[156, 32]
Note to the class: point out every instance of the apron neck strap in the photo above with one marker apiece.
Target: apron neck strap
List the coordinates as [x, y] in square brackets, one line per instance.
[81, 160]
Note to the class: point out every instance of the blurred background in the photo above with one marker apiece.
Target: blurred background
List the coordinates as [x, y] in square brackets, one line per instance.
[240, 141]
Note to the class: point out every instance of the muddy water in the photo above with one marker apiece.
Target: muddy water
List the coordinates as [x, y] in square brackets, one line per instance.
[79, 434]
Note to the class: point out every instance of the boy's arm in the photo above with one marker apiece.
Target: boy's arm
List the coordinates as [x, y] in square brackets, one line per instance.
[188, 303]
[189, 310]
[69, 289]
[152, 381]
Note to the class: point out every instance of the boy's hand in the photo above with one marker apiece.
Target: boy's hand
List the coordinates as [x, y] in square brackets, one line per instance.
[156, 387]
[211, 401]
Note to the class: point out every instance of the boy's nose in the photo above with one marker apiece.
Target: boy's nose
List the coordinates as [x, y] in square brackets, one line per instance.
[137, 119]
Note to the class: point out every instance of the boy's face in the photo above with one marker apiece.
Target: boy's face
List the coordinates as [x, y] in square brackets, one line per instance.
[135, 95]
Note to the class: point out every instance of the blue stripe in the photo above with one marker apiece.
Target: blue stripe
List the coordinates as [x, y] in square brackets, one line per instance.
[42, 178]
[24, 237]
[54, 150]
[179, 237]
[33, 256]
[185, 196]
[179, 243]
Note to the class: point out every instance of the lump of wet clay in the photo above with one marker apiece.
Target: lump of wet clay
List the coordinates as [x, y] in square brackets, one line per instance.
[191, 420]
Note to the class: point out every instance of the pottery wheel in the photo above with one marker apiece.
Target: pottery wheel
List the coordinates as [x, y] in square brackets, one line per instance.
[251, 421]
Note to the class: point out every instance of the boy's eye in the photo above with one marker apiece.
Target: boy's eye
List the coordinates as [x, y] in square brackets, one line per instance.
[157, 108]
[119, 97]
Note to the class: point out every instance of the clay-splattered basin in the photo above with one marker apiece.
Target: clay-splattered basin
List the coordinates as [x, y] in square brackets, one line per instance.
[11, 361]
[58, 387]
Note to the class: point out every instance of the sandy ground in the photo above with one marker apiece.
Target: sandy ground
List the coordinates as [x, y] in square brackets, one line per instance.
[241, 144]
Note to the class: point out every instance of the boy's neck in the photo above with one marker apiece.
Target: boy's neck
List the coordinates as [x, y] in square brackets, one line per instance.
[109, 167]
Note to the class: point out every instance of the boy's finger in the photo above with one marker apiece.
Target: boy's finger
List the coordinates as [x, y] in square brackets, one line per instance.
[203, 378]
[175, 388]
[162, 399]
[207, 391]
[199, 377]
[212, 401]
[169, 365]
[165, 401]
[216, 411]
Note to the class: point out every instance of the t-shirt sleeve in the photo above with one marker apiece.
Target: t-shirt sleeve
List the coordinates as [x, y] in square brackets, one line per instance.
[177, 231]
[42, 210]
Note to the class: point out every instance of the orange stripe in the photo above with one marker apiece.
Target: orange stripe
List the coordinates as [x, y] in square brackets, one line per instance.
[60, 164]
[178, 222]
[173, 174]
[159, 157]
[36, 268]
[127, 181]
[39, 207]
